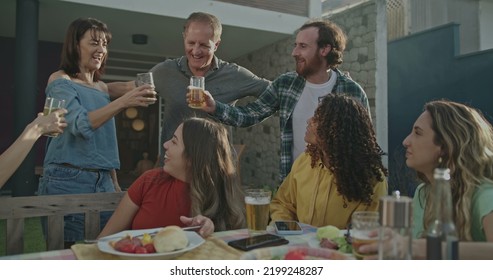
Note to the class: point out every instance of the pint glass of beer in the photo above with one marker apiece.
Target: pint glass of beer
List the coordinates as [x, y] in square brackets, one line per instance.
[364, 225]
[196, 88]
[257, 210]
[53, 104]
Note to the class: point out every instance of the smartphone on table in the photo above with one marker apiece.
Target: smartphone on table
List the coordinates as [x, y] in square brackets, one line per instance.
[258, 241]
[288, 227]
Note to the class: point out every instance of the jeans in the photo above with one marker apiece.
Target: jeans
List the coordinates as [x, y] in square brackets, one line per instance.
[58, 179]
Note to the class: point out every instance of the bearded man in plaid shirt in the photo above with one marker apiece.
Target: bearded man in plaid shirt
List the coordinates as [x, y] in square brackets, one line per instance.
[318, 51]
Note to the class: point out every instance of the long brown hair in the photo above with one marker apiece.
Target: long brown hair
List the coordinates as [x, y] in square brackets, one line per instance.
[466, 138]
[348, 142]
[70, 57]
[214, 185]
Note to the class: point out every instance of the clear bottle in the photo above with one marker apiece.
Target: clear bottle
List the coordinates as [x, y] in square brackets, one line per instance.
[442, 230]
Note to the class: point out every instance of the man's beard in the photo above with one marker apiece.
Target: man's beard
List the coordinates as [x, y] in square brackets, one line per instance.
[310, 67]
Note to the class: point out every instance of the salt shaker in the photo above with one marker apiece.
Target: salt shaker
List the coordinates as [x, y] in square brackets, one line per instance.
[395, 236]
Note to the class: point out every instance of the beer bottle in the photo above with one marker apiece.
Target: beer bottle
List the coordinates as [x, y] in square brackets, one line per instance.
[442, 230]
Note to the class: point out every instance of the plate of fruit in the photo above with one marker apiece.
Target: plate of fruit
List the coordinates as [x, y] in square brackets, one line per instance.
[158, 243]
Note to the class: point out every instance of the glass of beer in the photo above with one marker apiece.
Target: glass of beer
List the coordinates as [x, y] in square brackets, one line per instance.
[196, 89]
[52, 104]
[257, 210]
[364, 230]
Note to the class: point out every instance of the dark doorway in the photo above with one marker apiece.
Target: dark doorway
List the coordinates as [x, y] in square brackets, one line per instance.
[138, 133]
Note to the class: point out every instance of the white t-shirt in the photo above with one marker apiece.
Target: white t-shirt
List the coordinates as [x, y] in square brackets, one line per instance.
[304, 110]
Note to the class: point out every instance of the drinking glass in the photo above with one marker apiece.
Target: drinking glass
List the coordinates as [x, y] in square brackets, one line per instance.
[362, 224]
[196, 89]
[53, 104]
[257, 210]
[144, 79]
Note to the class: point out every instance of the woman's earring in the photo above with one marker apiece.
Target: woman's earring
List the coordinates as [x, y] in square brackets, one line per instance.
[440, 159]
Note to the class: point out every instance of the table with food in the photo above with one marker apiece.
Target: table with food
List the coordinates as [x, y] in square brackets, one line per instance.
[173, 242]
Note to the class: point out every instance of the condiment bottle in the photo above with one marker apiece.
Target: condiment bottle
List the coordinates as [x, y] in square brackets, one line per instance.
[395, 236]
[442, 230]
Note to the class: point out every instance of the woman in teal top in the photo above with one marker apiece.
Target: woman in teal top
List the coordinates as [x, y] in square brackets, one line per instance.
[452, 135]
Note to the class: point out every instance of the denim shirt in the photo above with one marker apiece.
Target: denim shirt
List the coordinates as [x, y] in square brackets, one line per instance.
[80, 144]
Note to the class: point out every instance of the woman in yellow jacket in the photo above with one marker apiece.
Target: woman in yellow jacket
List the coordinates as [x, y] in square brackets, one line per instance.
[340, 172]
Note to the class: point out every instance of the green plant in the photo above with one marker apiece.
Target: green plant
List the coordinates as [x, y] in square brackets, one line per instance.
[33, 236]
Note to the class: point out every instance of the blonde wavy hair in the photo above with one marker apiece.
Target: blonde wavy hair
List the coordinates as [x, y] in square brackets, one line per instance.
[214, 187]
[466, 139]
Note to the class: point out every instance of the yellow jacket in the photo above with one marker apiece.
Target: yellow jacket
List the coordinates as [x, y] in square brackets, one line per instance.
[309, 195]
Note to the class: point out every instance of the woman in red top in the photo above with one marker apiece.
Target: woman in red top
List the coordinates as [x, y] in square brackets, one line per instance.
[198, 180]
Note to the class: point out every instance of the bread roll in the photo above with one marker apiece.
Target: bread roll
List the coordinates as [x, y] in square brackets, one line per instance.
[169, 239]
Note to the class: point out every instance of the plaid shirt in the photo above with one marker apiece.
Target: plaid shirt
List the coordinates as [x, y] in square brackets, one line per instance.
[281, 96]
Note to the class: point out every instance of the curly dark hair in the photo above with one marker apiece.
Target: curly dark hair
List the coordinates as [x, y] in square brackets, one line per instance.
[348, 145]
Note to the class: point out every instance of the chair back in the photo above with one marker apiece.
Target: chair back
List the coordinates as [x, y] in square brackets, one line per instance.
[16, 209]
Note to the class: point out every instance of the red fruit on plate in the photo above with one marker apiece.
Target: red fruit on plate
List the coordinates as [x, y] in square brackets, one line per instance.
[121, 243]
[128, 248]
[137, 241]
[294, 255]
[150, 248]
[140, 250]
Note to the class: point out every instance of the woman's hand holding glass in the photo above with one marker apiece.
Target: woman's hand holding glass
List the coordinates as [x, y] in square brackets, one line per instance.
[51, 123]
[141, 96]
